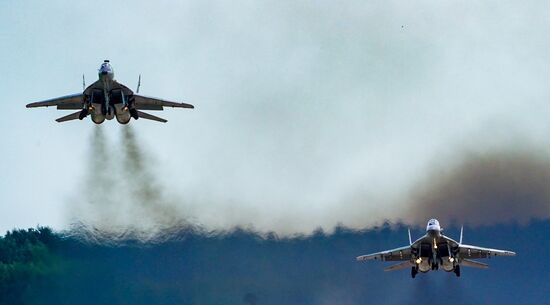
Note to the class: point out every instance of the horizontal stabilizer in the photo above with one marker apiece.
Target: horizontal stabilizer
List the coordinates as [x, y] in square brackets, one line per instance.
[399, 266]
[147, 116]
[473, 264]
[72, 116]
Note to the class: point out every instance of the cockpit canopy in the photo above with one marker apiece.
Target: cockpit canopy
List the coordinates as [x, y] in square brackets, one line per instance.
[106, 70]
[433, 225]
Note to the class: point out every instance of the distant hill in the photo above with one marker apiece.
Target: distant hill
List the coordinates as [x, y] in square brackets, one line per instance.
[242, 267]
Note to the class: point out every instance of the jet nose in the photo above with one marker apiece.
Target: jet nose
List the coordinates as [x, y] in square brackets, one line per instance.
[106, 71]
[433, 225]
[106, 68]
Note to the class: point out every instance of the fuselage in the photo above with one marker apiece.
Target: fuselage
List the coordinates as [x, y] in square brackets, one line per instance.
[108, 99]
[434, 249]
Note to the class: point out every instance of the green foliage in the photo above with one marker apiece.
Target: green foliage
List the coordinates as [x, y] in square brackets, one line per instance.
[25, 261]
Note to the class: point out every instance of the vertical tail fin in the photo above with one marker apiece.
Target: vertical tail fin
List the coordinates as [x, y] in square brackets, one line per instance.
[410, 239]
[139, 84]
[461, 230]
[83, 83]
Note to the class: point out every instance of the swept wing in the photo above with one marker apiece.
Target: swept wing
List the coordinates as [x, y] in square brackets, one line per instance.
[468, 251]
[397, 254]
[153, 103]
[68, 102]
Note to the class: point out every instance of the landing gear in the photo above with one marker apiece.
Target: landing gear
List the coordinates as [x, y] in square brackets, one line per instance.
[134, 113]
[83, 114]
[457, 270]
[414, 271]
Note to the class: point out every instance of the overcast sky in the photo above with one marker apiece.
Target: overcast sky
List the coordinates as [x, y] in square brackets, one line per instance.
[308, 113]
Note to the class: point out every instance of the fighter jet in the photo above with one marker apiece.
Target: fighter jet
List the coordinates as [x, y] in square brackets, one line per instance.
[433, 251]
[108, 99]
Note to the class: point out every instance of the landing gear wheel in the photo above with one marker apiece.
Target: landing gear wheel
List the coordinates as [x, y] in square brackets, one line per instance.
[134, 113]
[83, 114]
[413, 272]
[457, 270]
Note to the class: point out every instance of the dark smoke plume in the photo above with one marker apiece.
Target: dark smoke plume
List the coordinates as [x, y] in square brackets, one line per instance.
[121, 199]
[95, 195]
[146, 192]
[487, 188]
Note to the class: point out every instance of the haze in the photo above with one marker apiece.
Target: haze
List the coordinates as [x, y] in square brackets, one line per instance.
[307, 113]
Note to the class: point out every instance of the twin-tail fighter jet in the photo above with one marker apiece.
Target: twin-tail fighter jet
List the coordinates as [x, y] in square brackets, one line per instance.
[108, 99]
[433, 251]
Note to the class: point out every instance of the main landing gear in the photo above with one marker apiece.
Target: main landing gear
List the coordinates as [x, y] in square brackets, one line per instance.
[83, 114]
[134, 113]
[414, 271]
[457, 270]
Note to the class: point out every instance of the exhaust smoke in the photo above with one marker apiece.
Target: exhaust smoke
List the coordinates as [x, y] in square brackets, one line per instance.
[485, 188]
[121, 199]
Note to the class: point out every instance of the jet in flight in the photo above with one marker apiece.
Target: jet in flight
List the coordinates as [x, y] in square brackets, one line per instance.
[433, 251]
[108, 99]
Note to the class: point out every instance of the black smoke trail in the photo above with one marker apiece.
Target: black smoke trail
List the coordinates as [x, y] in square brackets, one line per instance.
[505, 185]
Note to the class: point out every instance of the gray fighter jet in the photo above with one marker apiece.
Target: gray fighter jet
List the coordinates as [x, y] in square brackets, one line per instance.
[108, 99]
[435, 250]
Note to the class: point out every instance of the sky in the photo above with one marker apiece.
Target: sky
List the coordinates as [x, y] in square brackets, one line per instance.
[308, 113]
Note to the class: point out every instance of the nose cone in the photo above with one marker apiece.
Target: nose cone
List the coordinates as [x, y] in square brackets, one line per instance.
[106, 70]
[433, 225]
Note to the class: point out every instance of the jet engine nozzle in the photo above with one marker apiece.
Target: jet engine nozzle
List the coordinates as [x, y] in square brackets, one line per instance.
[424, 266]
[448, 264]
[98, 118]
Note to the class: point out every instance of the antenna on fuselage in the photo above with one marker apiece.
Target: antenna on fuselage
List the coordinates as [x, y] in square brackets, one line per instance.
[83, 83]
[139, 84]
